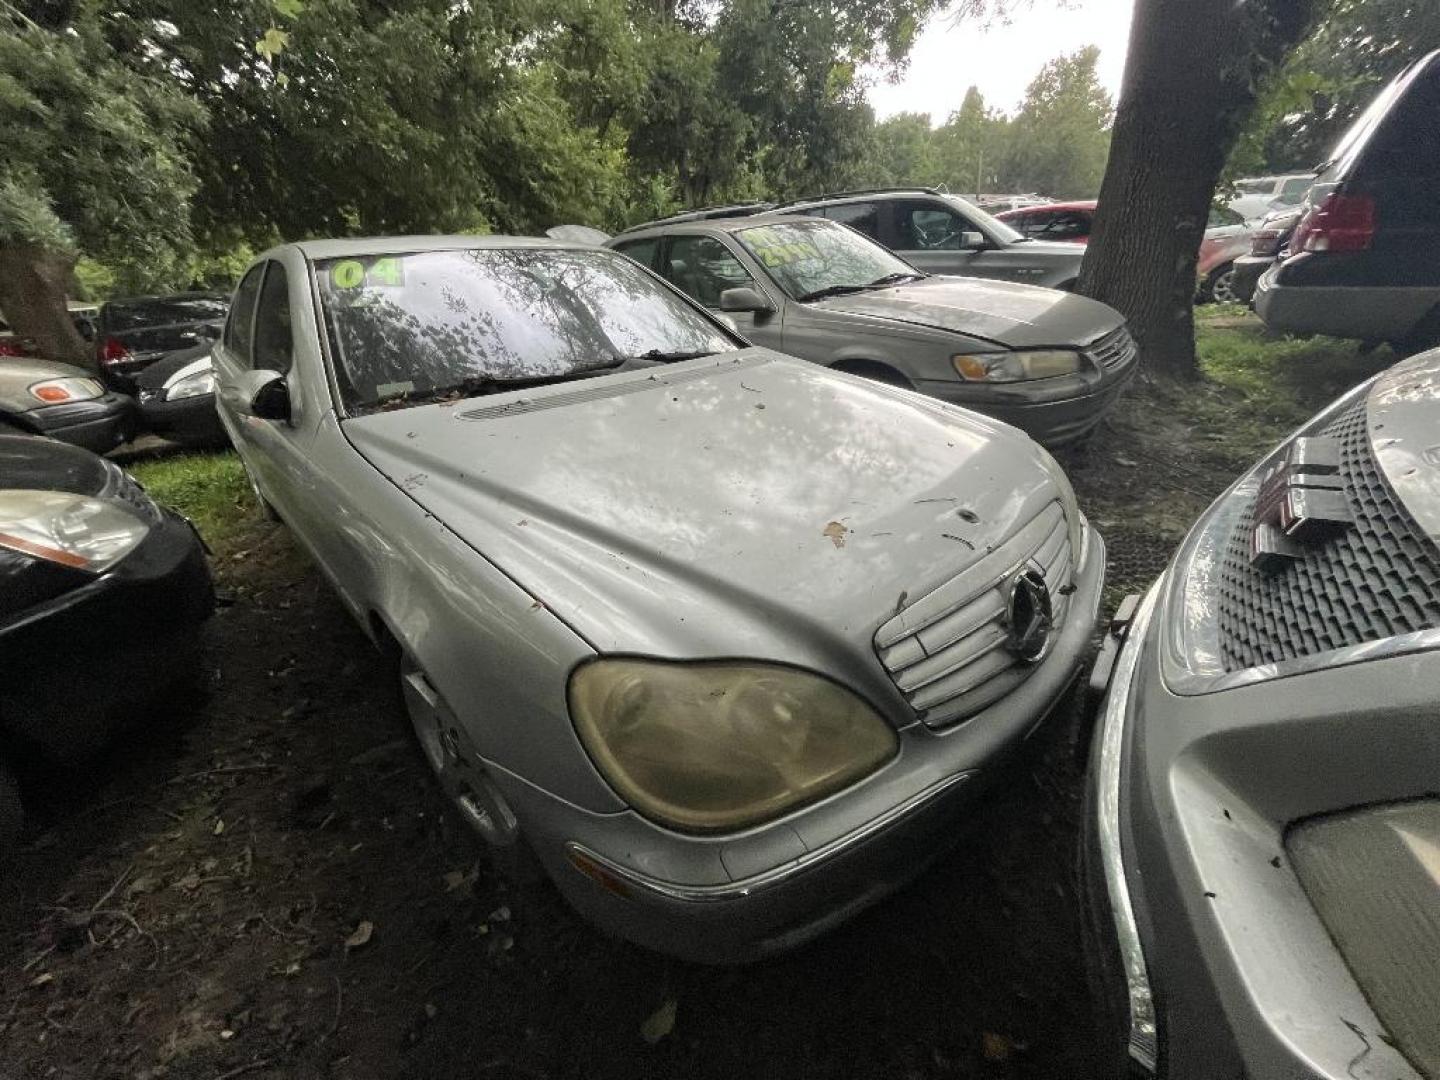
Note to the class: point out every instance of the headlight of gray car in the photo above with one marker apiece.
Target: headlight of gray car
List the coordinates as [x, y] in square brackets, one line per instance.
[710, 746]
[1020, 366]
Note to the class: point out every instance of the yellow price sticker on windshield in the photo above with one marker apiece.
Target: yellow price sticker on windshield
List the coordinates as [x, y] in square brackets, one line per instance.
[386, 271]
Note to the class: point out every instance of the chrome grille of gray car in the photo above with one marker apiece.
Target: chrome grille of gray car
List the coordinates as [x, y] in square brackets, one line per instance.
[1377, 579]
[1115, 349]
[946, 651]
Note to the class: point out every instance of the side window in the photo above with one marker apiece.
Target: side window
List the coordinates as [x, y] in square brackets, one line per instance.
[1066, 225]
[927, 227]
[702, 268]
[237, 327]
[1294, 190]
[274, 342]
[642, 251]
[864, 217]
[1032, 224]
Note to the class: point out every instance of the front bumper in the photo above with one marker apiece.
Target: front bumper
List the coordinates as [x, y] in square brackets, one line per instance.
[75, 666]
[192, 421]
[98, 425]
[1208, 957]
[1248, 269]
[741, 897]
[1049, 417]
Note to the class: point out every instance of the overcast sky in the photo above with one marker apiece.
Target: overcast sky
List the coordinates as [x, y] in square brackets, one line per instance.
[948, 58]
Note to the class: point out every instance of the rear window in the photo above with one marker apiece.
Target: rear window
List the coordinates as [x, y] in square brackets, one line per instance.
[163, 311]
[1406, 142]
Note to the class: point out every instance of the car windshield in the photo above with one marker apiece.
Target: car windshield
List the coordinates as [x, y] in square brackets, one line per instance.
[410, 328]
[811, 257]
[998, 229]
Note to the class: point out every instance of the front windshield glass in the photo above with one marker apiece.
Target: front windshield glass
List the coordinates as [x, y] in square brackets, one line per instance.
[810, 257]
[405, 329]
[986, 223]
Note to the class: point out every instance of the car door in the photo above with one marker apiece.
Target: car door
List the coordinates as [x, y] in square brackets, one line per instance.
[937, 238]
[703, 267]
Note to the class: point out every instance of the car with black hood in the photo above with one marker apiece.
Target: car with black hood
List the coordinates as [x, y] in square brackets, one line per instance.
[102, 593]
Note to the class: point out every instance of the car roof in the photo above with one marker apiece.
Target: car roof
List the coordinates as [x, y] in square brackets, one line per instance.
[160, 298]
[715, 225]
[1075, 204]
[402, 245]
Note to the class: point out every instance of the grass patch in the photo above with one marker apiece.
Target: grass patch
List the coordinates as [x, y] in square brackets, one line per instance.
[209, 489]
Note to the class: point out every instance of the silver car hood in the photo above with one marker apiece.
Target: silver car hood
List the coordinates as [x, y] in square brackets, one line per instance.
[752, 506]
[19, 373]
[1403, 410]
[1018, 316]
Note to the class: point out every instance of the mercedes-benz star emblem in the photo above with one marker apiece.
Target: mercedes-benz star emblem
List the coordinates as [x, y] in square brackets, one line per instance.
[1029, 616]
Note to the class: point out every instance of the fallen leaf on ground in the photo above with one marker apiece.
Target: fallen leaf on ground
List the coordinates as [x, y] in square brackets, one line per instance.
[659, 1023]
[361, 936]
[836, 532]
[996, 1047]
[43, 978]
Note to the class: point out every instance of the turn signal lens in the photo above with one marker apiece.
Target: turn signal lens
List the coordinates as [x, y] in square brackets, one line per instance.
[711, 746]
[56, 391]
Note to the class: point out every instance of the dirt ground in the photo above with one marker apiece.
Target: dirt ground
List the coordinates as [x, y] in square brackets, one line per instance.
[270, 886]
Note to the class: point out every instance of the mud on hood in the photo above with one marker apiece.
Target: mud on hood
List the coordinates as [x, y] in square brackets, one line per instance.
[1018, 316]
[752, 506]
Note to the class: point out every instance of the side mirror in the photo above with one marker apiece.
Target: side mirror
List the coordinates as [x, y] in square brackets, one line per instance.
[264, 395]
[745, 298]
[970, 241]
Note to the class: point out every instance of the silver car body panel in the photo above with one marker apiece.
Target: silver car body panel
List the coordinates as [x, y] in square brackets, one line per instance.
[684, 511]
[18, 374]
[1213, 770]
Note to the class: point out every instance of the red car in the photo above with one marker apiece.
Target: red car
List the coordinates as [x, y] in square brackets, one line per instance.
[1227, 237]
[1067, 221]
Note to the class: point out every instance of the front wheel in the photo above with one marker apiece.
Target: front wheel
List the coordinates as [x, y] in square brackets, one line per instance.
[1219, 287]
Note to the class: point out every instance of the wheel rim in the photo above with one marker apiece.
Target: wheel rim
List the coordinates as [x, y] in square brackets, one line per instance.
[454, 762]
[1224, 288]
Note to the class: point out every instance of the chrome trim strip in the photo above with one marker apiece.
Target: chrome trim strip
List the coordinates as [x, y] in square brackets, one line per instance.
[1143, 1044]
[1188, 683]
[737, 890]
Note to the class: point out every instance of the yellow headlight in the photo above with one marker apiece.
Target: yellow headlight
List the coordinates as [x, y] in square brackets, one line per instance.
[710, 746]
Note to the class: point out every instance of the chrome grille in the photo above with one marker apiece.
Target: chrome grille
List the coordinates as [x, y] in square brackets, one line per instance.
[946, 651]
[1377, 579]
[1115, 349]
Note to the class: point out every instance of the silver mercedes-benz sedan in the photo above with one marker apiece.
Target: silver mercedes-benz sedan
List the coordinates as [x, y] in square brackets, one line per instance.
[724, 637]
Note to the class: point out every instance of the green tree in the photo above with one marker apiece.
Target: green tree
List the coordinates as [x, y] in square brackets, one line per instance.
[970, 145]
[905, 151]
[95, 158]
[1059, 140]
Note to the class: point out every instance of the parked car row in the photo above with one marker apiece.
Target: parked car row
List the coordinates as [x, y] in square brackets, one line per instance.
[156, 349]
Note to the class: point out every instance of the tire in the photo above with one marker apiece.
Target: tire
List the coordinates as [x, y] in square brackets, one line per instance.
[1219, 287]
[12, 811]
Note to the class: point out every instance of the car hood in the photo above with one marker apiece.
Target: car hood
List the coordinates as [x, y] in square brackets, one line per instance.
[752, 506]
[1017, 316]
[18, 374]
[1403, 410]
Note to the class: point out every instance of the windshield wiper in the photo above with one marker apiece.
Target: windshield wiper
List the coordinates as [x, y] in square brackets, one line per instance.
[831, 290]
[662, 356]
[480, 385]
[895, 279]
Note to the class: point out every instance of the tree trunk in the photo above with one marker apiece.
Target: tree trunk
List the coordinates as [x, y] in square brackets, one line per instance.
[33, 284]
[1191, 79]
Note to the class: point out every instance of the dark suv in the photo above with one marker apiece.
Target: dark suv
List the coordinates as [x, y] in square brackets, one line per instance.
[944, 234]
[1364, 259]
